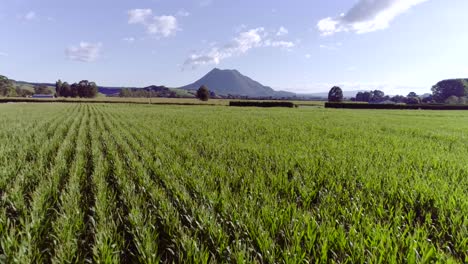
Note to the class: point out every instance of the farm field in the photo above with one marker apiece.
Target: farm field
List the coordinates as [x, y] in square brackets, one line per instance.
[121, 183]
[154, 100]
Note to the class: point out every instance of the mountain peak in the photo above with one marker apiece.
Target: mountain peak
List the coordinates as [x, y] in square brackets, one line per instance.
[218, 70]
[225, 82]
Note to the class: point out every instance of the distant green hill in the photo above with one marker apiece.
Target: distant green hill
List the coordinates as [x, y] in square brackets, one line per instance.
[30, 86]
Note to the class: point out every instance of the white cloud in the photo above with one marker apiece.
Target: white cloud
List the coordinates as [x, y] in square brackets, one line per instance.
[137, 16]
[84, 52]
[240, 45]
[308, 56]
[129, 39]
[366, 16]
[331, 46]
[164, 26]
[3, 54]
[31, 15]
[183, 13]
[245, 41]
[282, 31]
[240, 28]
[280, 44]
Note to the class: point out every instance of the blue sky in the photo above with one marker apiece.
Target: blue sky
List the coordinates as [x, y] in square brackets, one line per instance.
[296, 45]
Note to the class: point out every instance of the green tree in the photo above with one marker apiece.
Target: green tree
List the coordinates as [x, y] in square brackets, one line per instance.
[41, 89]
[74, 90]
[452, 100]
[203, 93]
[446, 88]
[65, 91]
[377, 96]
[335, 94]
[58, 88]
[364, 96]
[398, 99]
[92, 90]
[6, 85]
[23, 92]
[413, 100]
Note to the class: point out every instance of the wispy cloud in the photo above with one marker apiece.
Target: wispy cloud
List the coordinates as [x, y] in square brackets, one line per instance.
[3, 54]
[245, 41]
[282, 31]
[366, 16]
[279, 44]
[129, 39]
[331, 46]
[164, 25]
[240, 45]
[84, 52]
[183, 13]
[31, 15]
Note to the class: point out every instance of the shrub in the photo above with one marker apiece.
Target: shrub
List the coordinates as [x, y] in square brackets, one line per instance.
[397, 106]
[262, 104]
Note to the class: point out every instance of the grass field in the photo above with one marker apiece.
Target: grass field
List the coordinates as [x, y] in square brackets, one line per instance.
[154, 100]
[110, 183]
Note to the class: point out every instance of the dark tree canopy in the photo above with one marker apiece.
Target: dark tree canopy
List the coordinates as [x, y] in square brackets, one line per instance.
[413, 100]
[398, 99]
[377, 96]
[444, 89]
[335, 94]
[84, 89]
[428, 99]
[203, 93]
[364, 96]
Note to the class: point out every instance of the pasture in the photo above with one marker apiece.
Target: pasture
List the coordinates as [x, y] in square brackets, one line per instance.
[110, 183]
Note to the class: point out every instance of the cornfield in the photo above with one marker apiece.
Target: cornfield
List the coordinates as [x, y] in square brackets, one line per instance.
[123, 183]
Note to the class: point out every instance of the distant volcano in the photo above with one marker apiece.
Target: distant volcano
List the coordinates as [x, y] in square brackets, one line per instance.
[225, 82]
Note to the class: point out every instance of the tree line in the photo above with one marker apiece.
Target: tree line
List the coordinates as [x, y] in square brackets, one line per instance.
[150, 91]
[83, 89]
[453, 91]
[8, 89]
[375, 97]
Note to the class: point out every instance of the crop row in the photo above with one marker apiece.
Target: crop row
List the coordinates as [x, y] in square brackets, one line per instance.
[126, 183]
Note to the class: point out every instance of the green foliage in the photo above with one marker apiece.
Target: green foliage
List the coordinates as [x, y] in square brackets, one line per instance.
[101, 183]
[413, 100]
[335, 94]
[446, 88]
[6, 87]
[151, 91]
[42, 89]
[203, 93]
[83, 89]
[262, 104]
[375, 96]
